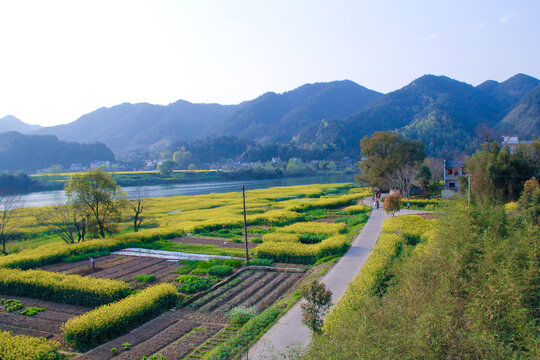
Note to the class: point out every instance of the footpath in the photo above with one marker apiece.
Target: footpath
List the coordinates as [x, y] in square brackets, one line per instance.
[289, 335]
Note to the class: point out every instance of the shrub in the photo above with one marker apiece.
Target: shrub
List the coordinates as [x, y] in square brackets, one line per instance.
[220, 270]
[190, 284]
[144, 278]
[11, 304]
[318, 302]
[235, 263]
[199, 271]
[26, 347]
[64, 288]
[239, 315]
[112, 320]
[392, 203]
[31, 311]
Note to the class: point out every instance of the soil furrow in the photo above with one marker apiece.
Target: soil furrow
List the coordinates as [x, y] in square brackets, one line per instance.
[218, 292]
[247, 283]
[279, 291]
[248, 287]
[160, 340]
[266, 289]
[189, 342]
[135, 337]
[30, 323]
[16, 330]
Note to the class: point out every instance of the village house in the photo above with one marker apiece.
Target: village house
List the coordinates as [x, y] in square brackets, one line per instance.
[452, 170]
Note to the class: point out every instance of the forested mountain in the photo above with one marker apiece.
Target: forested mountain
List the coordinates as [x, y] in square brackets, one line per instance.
[32, 152]
[11, 123]
[524, 119]
[444, 113]
[135, 126]
[279, 117]
[322, 120]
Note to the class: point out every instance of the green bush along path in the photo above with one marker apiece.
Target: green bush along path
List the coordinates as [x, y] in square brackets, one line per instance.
[289, 333]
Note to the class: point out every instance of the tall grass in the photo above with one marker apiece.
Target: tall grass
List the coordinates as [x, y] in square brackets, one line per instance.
[469, 292]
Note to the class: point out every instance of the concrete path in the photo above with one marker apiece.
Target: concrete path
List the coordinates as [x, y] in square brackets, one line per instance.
[289, 334]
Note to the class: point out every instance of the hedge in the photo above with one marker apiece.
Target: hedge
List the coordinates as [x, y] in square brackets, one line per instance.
[22, 347]
[112, 320]
[64, 288]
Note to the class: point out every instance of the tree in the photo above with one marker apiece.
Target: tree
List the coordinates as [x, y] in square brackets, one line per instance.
[96, 195]
[182, 158]
[424, 176]
[66, 221]
[137, 205]
[402, 178]
[500, 173]
[166, 168]
[385, 158]
[318, 302]
[392, 203]
[9, 203]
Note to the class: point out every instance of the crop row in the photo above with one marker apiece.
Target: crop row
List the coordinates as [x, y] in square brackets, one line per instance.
[112, 320]
[302, 253]
[27, 347]
[314, 228]
[64, 288]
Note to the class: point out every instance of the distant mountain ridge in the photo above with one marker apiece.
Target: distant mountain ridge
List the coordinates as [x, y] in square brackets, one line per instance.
[279, 117]
[444, 113]
[326, 117]
[11, 123]
[134, 126]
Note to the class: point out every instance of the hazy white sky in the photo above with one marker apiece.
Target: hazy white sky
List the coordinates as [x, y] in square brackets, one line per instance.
[62, 59]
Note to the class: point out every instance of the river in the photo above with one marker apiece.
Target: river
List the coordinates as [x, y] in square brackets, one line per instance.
[45, 198]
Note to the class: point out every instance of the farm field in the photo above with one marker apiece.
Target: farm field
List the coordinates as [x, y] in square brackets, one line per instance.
[176, 334]
[119, 267]
[45, 324]
[180, 309]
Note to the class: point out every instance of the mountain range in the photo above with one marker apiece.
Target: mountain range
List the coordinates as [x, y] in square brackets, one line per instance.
[444, 113]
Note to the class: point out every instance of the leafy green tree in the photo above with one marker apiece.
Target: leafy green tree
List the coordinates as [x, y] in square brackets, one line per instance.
[318, 302]
[182, 158]
[500, 173]
[96, 194]
[389, 160]
[424, 176]
[166, 168]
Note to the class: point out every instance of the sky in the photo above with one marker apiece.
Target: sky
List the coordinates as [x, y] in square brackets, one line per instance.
[62, 59]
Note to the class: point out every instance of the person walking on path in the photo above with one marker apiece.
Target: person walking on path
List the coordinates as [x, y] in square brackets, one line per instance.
[92, 263]
[377, 204]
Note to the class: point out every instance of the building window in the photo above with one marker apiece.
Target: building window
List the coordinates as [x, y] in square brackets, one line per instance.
[451, 185]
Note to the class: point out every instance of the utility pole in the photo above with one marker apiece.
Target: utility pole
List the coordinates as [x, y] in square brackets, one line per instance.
[245, 221]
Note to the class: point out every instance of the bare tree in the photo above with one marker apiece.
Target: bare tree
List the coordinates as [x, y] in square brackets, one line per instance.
[402, 178]
[137, 205]
[9, 203]
[66, 221]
